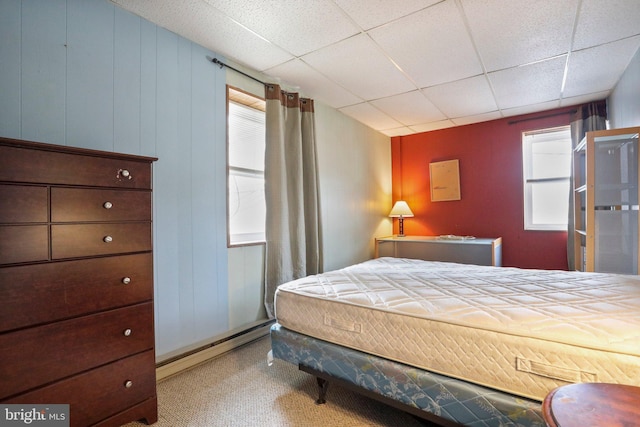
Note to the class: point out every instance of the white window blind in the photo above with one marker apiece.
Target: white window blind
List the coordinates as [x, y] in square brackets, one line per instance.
[246, 202]
[547, 171]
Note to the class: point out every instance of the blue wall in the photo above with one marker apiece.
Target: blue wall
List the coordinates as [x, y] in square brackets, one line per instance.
[85, 73]
[624, 102]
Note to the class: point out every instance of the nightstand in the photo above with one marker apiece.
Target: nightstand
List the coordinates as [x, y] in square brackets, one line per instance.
[480, 251]
[592, 404]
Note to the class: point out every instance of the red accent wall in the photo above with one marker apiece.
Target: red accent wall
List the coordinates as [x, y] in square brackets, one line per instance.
[491, 186]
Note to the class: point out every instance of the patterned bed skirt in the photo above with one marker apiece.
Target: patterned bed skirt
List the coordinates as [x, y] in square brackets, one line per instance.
[451, 399]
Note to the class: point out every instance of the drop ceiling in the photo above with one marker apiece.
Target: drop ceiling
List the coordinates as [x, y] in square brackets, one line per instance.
[408, 66]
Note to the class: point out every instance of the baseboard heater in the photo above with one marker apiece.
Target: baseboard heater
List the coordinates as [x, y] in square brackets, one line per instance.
[191, 358]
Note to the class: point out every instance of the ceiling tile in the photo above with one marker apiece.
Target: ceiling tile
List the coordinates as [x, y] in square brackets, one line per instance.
[194, 19]
[599, 68]
[528, 85]
[373, 13]
[347, 62]
[398, 131]
[163, 11]
[365, 56]
[582, 99]
[308, 25]
[313, 84]
[463, 97]
[605, 21]
[428, 127]
[247, 49]
[528, 109]
[432, 46]
[528, 31]
[409, 108]
[460, 121]
[370, 116]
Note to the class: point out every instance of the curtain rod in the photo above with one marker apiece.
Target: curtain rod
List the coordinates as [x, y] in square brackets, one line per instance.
[222, 64]
[543, 116]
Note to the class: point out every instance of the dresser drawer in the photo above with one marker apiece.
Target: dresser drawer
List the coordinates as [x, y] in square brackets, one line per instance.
[102, 392]
[23, 204]
[83, 240]
[18, 164]
[43, 354]
[36, 294]
[23, 243]
[79, 204]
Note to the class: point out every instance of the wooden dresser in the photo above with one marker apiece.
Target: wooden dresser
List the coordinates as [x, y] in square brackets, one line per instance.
[76, 282]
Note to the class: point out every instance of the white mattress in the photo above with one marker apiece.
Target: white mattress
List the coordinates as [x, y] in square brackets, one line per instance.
[520, 331]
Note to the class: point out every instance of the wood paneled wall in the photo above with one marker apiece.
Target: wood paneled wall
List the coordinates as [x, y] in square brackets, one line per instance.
[85, 73]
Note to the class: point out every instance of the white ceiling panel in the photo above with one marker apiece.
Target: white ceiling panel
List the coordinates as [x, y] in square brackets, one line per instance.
[599, 68]
[529, 84]
[398, 131]
[314, 84]
[197, 21]
[251, 51]
[582, 99]
[529, 30]
[357, 64]
[528, 109]
[460, 121]
[369, 58]
[373, 13]
[428, 127]
[166, 13]
[409, 108]
[432, 46]
[248, 49]
[603, 21]
[371, 116]
[309, 25]
[462, 98]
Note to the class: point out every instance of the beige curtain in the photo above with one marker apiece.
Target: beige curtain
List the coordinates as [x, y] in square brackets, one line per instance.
[293, 232]
[588, 117]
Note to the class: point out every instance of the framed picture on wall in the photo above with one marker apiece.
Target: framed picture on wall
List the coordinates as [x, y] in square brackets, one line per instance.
[445, 180]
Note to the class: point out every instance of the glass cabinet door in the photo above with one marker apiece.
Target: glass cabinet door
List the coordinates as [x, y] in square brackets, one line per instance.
[615, 203]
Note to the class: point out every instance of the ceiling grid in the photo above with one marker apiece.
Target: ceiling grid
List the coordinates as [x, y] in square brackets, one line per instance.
[407, 66]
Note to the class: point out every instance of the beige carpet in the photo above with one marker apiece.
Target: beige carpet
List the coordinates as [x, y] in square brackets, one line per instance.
[240, 389]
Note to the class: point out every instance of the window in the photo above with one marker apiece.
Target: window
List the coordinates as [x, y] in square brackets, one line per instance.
[547, 171]
[245, 160]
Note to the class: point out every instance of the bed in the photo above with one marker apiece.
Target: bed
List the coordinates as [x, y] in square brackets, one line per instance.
[460, 344]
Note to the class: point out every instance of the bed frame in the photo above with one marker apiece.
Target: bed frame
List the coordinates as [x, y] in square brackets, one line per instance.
[436, 398]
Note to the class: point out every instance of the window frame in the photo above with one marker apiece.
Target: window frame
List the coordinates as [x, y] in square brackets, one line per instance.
[529, 182]
[247, 99]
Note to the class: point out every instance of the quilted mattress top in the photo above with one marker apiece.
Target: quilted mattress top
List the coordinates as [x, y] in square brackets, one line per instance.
[592, 310]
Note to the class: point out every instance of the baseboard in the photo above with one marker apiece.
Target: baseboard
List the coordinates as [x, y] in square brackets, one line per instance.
[193, 359]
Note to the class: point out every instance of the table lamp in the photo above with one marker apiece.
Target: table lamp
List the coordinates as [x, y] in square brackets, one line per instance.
[401, 210]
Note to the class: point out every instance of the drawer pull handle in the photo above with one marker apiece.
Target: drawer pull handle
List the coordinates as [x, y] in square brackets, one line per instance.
[126, 280]
[107, 205]
[107, 239]
[123, 173]
[128, 384]
[127, 332]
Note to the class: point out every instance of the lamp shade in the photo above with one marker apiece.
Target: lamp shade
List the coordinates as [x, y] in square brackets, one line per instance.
[400, 210]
